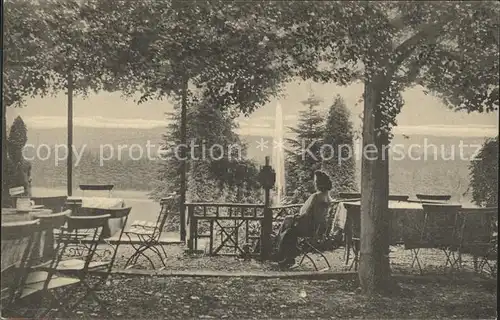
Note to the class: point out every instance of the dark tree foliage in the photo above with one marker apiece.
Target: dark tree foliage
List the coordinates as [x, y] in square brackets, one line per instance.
[217, 168]
[304, 154]
[18, 171]
[484, 175]
[339, 158]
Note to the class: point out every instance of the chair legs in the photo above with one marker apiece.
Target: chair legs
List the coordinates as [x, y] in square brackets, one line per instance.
[452, 260]
[307, 249]
[485, 265]
[146, 244]
[415, 259]
[355, 260]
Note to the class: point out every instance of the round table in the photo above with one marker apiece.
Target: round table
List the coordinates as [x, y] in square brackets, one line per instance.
[10, 254]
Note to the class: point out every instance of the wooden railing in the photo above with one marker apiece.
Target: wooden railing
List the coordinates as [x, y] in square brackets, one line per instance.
[230, 228]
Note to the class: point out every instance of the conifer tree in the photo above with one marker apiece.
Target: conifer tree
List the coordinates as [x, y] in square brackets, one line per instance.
[304, 156]
[18, 168]
[338, 158]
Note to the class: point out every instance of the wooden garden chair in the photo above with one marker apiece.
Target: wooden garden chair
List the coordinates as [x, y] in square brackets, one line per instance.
[148, 234]
[440, 230]
[18, 239]
[83, 266]
[43, 278]
[479, 237]
[353, 234]
[317, 242]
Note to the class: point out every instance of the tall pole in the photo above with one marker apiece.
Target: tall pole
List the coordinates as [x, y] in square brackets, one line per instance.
[182, 205]
[5, 193]
[4, 120]
[267, 179]
[70, 135]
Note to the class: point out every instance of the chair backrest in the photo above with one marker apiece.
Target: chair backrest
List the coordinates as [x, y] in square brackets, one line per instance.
[115, 213]
[323, 229]
[56, 204]
[441, 225]
[17, 247]
[478, 225]
[332, 210]
[433, 197]
[87, 222]
[168, 205]
[349, 195]
[97, 187]
[397, 197]
[53, 220]
[19, 230]
[354, 218]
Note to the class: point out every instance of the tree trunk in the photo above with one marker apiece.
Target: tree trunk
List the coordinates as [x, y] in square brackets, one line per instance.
[183, 184]
[5, 191]
[374, 268]
[69, 160]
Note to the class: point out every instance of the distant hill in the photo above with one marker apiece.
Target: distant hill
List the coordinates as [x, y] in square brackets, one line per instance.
[407, 176]
[95, 137]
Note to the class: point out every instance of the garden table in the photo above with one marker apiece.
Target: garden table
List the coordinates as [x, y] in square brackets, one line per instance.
[12, 252]
[90, 203]
[407, 218]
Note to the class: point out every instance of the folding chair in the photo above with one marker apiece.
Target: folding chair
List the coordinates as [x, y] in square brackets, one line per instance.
[18, 240]
[353, 233]
[149, 233]
[318, 241]
[43, 278]
[115, 213]
[82, 267]
[440, 231]
[479, 237]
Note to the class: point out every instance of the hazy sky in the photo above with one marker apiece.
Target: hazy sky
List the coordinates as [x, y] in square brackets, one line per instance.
[421, 114]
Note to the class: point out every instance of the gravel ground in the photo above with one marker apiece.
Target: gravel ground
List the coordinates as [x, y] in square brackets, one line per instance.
[432, 261]
[238, 298]
[150, 297]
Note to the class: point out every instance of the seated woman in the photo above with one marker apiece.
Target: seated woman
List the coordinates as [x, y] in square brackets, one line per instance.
[311, 221]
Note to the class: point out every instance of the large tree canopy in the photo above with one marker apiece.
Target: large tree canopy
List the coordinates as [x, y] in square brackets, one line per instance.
[451, 49]
[239, 53]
